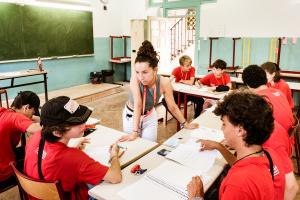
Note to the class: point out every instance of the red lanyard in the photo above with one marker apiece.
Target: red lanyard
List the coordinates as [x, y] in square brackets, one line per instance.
[185, 78]
[144, 97]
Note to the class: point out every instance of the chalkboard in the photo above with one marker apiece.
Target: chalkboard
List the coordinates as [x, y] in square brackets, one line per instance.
[31, 32]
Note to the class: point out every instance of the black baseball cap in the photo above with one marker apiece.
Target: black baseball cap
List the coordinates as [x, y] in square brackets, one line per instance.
[27, 97]
[61, 110]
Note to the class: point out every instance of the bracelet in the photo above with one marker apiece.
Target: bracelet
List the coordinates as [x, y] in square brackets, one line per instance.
[112, 158]
[182, 124]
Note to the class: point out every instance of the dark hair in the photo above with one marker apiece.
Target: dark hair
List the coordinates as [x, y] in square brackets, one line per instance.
[47, 132]
[242, 108]
[147, 53]
[254, 76]
[24, 98]
[184, 58]
[271, 67]
[219, 64]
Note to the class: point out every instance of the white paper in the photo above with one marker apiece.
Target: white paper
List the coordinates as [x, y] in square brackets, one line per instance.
[92, 121]
[172, 142]
[190, 156]
[207, 134]
[166, 181]
[100, 154]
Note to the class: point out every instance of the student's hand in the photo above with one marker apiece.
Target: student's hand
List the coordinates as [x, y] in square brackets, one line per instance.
[82, 143]
[191, 125]
[195, 188]
[114, 150]
[197, 84]
[208, 145]
[128, 137]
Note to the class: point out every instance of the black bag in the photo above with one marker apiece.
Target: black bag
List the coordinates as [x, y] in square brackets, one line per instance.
[222, 88]
[96, 77]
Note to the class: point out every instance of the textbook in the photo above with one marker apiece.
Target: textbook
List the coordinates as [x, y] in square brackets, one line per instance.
[167, 181]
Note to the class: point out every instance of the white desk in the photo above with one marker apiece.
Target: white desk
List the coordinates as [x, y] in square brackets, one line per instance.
[152, 160]
[104, 136]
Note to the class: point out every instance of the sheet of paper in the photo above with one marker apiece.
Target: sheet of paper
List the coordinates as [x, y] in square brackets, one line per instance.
[92, 121]
[207, 134]
[160, 183]
[190, 156]
[100, 154]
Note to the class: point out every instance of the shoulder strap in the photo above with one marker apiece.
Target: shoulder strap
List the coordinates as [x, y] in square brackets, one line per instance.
[40, 154]
[270, 163]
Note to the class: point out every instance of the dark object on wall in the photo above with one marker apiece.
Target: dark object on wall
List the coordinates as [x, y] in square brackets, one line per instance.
[31, 32]
[96, 77]
[108, 76]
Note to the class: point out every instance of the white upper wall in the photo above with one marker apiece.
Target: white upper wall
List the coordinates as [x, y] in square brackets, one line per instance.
[250, 18]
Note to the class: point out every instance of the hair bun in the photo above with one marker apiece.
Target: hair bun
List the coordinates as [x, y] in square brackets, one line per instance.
[147, 49]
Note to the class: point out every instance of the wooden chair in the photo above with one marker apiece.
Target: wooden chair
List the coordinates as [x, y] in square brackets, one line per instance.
[40, 189]
[3, 91]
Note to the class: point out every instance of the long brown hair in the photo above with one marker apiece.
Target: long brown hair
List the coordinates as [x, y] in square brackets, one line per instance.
[271, 67]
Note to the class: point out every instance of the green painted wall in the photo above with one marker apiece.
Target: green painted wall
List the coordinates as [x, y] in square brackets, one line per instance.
[67, 72]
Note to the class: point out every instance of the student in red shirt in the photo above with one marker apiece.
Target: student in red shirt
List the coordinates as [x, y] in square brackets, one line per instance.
[218, 77]
[185, 74]
[48, 156]
[256, 79]
[14, 122]
[255, 173]
[275, 81]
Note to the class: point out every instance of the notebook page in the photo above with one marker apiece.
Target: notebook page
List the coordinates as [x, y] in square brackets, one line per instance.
[100, 154]
[190, 156]
[207, 134]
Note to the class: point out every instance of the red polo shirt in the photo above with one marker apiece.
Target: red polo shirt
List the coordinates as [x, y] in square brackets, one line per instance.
[285, 89]
[282, 111]
[211, 80]
[12, 125]
[72, 167]
[180, 75]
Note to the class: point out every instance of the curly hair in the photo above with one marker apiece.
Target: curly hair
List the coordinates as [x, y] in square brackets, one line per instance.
[271, 67]
[252, 112]
[185, 58]
[219, 64]
[147, 53]
[254, 76]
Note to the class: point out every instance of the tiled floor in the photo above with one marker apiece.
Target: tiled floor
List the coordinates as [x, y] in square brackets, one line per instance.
[109, 110]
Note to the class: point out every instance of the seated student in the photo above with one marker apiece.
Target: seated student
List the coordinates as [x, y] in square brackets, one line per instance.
[185, 74]
[275, 81]
[48, 156]
[13, 122]
[218, 77]
[256, 79]
[251, 175]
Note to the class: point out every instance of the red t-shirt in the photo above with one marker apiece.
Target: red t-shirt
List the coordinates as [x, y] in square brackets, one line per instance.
[12, 125]
[180, 75]
[282, 111]
[211, 80]
[250, 178]
[72, 167]
[279, 141]
[285, 89]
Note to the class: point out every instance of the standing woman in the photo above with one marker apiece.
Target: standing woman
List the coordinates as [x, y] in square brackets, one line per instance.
[146, 88]
[275, 81]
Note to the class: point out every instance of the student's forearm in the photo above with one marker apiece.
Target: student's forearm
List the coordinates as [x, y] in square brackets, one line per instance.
[228, 156]
[177, 113]
[115, 169]
[136, 117]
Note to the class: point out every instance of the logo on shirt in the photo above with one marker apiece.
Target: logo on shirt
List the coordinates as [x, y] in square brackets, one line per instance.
[277, 94]
[276, 171]
[43, 155]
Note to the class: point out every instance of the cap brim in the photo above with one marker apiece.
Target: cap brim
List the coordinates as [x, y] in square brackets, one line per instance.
[80, 116]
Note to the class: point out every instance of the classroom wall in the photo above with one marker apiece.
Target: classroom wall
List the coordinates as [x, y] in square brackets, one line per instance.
[75, 71]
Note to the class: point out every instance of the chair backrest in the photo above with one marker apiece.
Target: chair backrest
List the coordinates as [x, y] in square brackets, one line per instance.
[40, 189]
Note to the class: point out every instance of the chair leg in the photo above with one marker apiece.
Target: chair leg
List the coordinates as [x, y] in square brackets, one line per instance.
[6, 96]
[0, 100]
[297, 152]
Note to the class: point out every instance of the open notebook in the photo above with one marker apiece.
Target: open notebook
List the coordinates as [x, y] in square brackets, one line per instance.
[168, 181]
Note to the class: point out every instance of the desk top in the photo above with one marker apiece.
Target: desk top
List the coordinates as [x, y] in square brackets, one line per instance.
[193, 90]
[104, 136]
[121, 60]
[152, 160]
[16, 74]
